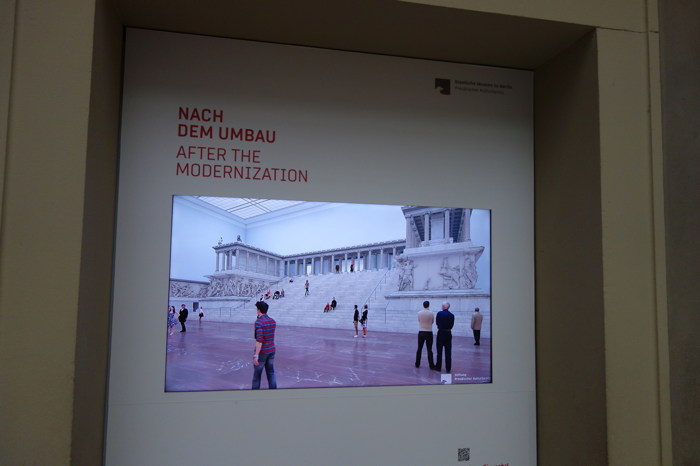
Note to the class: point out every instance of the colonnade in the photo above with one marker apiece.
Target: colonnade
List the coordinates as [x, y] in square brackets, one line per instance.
[241, 257]
[342, 261]
[426, 225]
[237, 256]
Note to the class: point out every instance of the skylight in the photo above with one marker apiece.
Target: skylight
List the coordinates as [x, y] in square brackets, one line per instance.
[247, 208]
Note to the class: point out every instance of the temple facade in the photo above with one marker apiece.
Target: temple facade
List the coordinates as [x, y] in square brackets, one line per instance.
[238, 257]
[437, 262]
[439, 253]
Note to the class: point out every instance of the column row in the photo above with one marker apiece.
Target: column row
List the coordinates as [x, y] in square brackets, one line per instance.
[250, 261]
[347, 262]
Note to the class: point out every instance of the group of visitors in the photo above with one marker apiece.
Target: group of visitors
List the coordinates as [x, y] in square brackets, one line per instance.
[269, 294]
[445, 321]
[181, 317]
[352, 267]
[330, 306]
[361, 320]
[264, 351]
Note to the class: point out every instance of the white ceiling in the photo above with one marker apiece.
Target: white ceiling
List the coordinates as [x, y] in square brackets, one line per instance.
[247, 208]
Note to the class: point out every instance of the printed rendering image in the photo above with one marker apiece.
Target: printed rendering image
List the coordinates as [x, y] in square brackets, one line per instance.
[321, 294]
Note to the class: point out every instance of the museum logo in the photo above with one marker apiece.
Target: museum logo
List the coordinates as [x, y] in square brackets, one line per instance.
[444, 85]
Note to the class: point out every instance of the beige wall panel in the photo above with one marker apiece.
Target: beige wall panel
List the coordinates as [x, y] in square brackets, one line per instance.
[660, 248]
[632, 374]
[614, 14]
[92, 342]
[571, 414]
[7, 31]
[383, 27]
[41, 228]
[652, 15]
[43, 282]
[680, 77]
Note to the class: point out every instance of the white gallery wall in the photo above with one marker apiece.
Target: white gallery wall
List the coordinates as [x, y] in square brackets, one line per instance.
[338, 225]
[195, 229]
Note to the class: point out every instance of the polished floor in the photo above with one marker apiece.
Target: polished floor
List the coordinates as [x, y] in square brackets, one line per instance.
[218, 356]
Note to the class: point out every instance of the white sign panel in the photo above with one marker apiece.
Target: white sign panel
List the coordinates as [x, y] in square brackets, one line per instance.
[350, 233]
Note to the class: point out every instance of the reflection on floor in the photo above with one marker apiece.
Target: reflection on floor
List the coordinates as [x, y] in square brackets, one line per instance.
[219, 356]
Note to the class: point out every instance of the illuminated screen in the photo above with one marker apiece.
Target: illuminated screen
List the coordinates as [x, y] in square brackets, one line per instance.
[326, 294]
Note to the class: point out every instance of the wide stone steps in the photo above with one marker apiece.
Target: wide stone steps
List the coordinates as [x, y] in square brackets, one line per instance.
[296, 309]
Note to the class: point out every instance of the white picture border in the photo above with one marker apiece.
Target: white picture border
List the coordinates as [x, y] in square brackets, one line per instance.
[367, 129]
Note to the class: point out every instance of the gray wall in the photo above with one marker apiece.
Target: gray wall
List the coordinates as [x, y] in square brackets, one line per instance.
[570, 322]
[680, 80]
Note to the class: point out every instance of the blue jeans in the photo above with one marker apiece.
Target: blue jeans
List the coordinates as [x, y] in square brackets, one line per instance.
[266, 361]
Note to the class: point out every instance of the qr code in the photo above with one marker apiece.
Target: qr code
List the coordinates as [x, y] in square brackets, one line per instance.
[463, 454]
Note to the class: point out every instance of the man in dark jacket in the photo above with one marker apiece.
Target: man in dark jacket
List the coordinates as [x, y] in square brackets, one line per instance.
[444, 320]
[182, 317]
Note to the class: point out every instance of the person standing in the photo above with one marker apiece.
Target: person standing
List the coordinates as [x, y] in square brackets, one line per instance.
[425, 334]
[334, 303]
[306, 288]
[171, 319]
[264, 353]
[356, 319]
[363, 321]
[477, 318]
[182, 317]
[444, 320]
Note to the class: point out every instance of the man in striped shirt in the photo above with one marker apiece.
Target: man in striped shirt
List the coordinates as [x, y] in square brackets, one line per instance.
[264, 355]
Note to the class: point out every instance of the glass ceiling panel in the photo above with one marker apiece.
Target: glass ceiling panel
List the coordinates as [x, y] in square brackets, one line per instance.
[246, 207]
